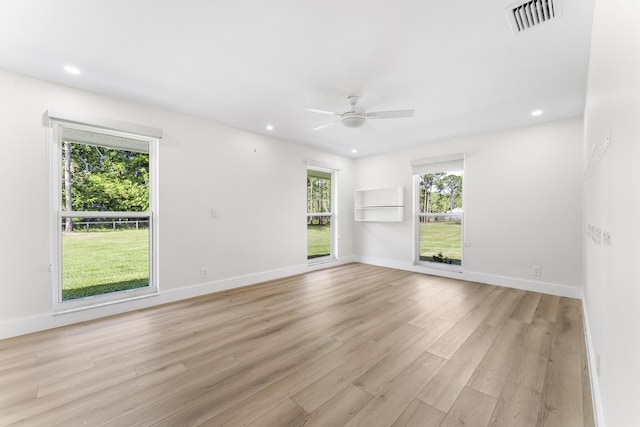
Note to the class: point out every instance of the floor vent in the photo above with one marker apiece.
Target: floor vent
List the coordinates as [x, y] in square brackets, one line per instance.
[526, 15]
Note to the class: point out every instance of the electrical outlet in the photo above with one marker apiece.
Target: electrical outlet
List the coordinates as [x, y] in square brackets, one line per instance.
[204, 273]
[535, 270]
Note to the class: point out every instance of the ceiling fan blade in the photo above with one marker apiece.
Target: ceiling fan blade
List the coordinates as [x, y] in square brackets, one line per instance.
[326, 125]
[330, 113]
[395, 114]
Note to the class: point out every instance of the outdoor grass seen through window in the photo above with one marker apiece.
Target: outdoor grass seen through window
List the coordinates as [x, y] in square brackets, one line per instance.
[105, 214]
[318, 239]
[101, 261]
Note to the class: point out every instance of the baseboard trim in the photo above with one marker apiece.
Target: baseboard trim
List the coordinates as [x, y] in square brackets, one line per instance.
[51, 320]
[598, 410]
[491, 279]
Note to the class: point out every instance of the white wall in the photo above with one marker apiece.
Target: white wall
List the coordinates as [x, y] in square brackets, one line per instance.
[612, 203]
[257, 184]
[522, 204]
[526, 181]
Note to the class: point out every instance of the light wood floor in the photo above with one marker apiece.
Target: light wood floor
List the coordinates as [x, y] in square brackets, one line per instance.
[352, 345]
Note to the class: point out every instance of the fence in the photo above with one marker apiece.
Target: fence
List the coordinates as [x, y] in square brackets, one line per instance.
[86, 226]
[440, 217]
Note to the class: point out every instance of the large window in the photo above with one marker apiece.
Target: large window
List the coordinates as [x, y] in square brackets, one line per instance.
[104, 205]
[439, 212]
[320, 214]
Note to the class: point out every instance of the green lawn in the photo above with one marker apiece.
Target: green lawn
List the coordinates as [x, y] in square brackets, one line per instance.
[100, 262]
[441, 238]
[318, 241]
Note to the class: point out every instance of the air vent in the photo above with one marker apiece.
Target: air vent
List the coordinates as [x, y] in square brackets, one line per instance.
[524, 16]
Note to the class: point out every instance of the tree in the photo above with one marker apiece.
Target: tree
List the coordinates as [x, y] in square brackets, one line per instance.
[318, 196]
[104, 179]
[440, 192]
[68, 225]
[452, 188]
[428, 183]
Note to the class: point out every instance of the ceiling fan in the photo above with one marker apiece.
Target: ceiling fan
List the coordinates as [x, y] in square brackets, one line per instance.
[355, 117]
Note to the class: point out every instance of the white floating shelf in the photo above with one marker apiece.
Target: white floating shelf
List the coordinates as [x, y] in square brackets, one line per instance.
[380, 204]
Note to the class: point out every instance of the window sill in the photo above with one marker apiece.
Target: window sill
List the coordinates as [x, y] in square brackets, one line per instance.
[323, 260]
[440, 266]
[83, 304]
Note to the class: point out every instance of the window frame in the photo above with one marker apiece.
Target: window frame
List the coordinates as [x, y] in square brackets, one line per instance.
[416, 222]
[333, 215]
[57, 215]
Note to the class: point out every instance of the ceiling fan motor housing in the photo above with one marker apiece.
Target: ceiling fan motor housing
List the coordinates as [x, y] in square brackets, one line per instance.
[353, 120]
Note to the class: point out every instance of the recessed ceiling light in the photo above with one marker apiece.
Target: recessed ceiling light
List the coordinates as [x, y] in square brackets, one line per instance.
[269, 127]
[72, 70]
[354, 151]
[535, 113]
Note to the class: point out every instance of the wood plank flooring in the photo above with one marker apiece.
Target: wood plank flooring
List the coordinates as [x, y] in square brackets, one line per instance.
[354, 345]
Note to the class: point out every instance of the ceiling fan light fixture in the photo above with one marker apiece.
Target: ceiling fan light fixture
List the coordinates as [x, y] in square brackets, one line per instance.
[353, 120]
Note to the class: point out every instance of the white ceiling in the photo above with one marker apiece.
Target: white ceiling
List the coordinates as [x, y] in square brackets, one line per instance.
[249, 63]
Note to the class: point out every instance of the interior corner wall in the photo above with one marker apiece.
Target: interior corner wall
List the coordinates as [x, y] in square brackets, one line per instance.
[522, 207]
[256, 183]
[612, 204]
